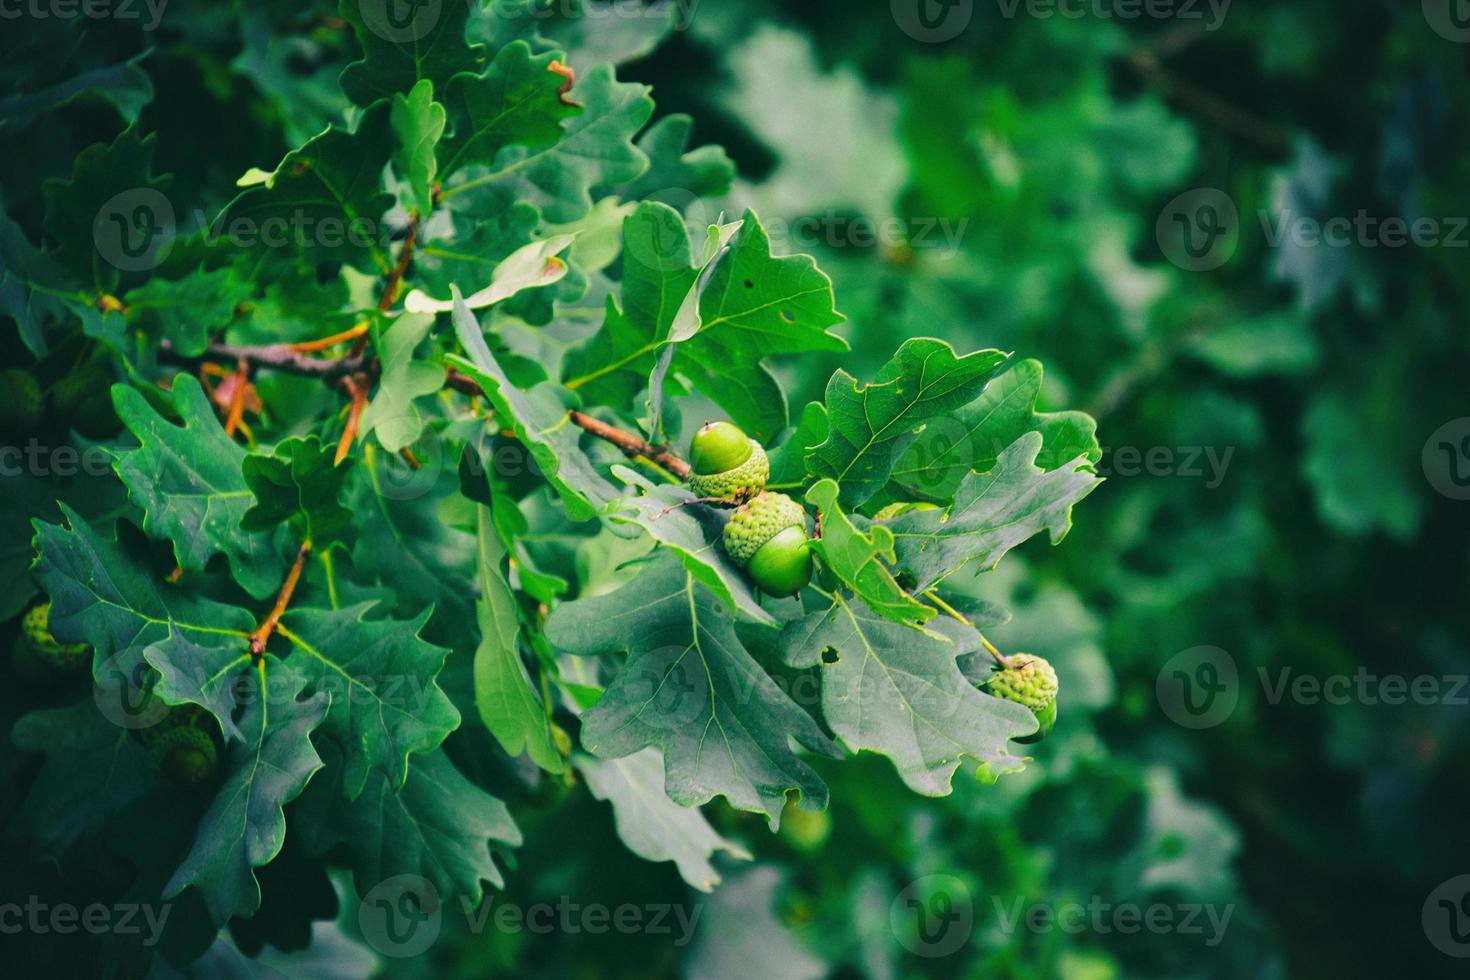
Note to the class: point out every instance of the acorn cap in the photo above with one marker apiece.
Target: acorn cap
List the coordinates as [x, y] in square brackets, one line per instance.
[740, 483]
[184, 755]
[759, 520]
[62, 658]
[1030, 680]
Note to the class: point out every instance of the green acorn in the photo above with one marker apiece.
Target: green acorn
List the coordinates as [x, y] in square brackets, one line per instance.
[767, 537]
[178, 716]
[21, 404]
[184, 755]
[727, 464]
[59, 659]
[1031, 681]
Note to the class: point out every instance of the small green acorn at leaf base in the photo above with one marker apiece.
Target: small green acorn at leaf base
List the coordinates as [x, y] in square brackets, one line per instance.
[727, 464]
[782, 566]
[185, 756]
[1031, 681]
[61, 659]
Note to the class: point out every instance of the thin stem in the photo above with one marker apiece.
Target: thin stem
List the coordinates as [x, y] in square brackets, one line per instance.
[310, 346]
[237, 398]
[262, 634]
[357, 389]
[1000, 658]
[632, 446]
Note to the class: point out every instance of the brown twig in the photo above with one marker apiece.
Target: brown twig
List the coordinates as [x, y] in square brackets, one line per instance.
[262, 634]
[357, 389]
[278, 357]
[308, 346]
[237, 399]
[631, 445]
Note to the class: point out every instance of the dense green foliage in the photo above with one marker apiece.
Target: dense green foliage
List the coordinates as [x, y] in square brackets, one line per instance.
[515, 666]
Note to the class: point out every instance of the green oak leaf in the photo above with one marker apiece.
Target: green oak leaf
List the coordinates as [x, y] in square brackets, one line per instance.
[381, 675]
[676, 174]
[871, 425]
[102, 594]
[93, 769]
[595, 149]
[391, 415]
[690, 689]
[517, 102]
[653, 826]
[862, 561]
[400, 52]
[325, 201]
[29, 280]
[186, 311]
[692, 532]
[189, 482]
[111, 199]
[298, 483]
[932, 468]
[125, 85]
[539, 418]
[245, 824]
[891, 690]
[788, 458]
[991, 514]
[439, 826]
[504, 694]
[752, 306]
[29, 497]
[418, 122]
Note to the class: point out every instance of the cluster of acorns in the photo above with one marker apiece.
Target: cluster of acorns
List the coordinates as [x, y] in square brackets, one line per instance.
[80, 400]
[180, 746]
[767, 536]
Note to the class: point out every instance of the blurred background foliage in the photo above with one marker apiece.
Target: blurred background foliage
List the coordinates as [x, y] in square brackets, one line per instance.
[1038, 152]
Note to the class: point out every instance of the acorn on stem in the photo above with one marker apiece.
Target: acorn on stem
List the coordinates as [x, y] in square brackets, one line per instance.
[39, 656]
[184, 755]
[767, 537]
[727, 464]
[1031, 681]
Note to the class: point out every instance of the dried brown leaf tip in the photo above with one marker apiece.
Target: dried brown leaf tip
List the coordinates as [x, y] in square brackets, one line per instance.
[570, 74]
